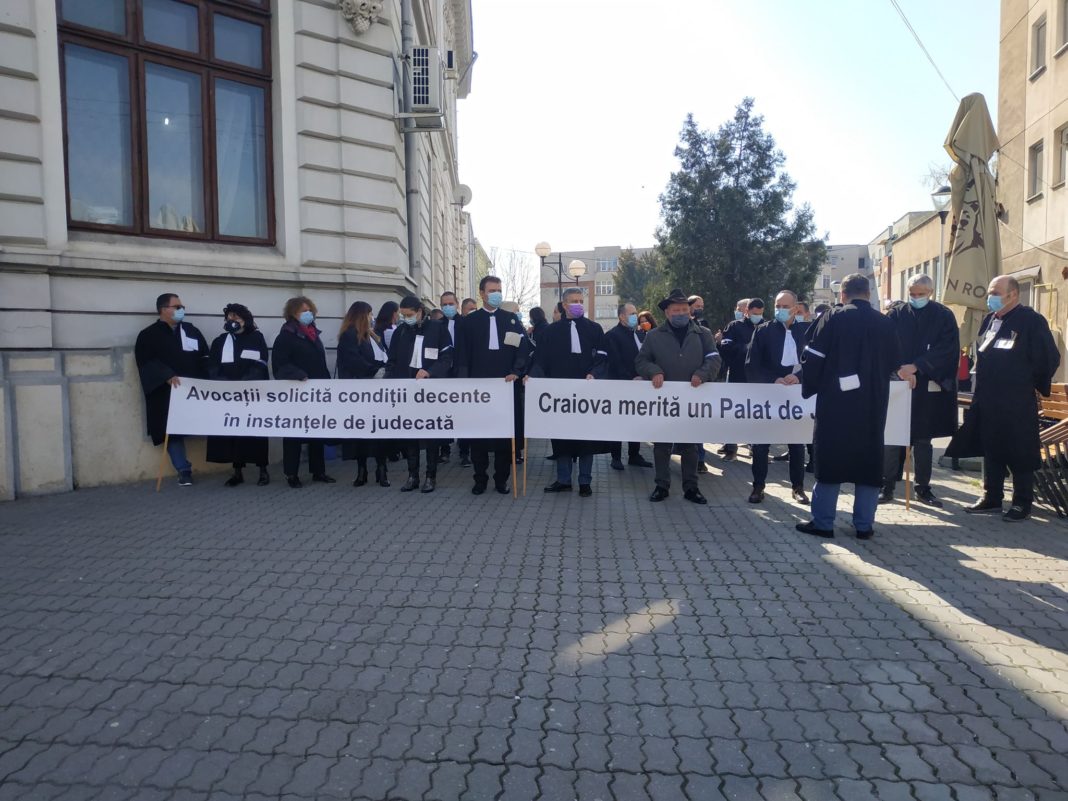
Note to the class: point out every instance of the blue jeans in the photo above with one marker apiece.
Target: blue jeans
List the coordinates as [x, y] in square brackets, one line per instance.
[176, 450]
[825, 504]
[563, 469]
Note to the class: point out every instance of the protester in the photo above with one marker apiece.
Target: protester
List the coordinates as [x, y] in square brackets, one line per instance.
[558, 312]
[773, 358]
[538, 323]
[361, 355]
[964, 371]
[679, 350]
[573, 348]
[467, 306]
[697, 310]
[494, 345]
[847, 366]
[386, 322]
[297, 355]
[1016, 357]
[420, 349]
[646, 321]
[930, 341]
[239, 354]
[165, 352]
[518, 392]
[451, 315]
[733, 346]
[623, 343]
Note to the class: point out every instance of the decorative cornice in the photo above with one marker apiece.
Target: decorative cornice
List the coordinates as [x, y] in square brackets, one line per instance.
[360, 14]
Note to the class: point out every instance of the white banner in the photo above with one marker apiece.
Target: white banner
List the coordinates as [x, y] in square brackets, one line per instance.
[635, 411]
[440, 408]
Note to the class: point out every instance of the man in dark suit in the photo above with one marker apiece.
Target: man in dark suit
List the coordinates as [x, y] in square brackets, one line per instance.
[624, 341]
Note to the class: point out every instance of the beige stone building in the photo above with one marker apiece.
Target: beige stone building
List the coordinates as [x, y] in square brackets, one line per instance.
[226, 150]
[842, 260]
[1032, 165]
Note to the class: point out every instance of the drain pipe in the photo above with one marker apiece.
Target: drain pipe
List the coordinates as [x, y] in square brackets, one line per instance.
[411, 150]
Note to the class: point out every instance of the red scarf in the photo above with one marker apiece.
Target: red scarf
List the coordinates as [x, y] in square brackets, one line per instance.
[308, 331]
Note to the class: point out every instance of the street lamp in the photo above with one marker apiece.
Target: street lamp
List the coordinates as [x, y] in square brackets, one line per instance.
[941, 200]
[575, 269]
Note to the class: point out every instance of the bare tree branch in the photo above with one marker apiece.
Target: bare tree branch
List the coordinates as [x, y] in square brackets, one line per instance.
[518, 272]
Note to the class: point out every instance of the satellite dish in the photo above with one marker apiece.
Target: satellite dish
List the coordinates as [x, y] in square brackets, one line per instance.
[463, 195]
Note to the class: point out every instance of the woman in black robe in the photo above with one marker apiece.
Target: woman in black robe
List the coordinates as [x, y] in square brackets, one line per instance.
[361, 354]
[239, 354]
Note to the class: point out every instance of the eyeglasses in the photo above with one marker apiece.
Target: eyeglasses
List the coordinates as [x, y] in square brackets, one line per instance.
[174, 307]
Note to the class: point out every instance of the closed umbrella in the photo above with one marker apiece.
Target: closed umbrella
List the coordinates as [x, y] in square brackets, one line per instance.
[975, 251]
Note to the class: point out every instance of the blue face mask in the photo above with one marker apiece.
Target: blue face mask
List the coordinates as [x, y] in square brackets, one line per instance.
[519, 316]
[739, 315]
[306, 318]
[756, 319]
[994, 303]
[782, 315]
[494, 299]
[410, 320]
[179, 315]
[918, 303]
[679, 320]
[449, 310]
[800, 318]
[632, 321]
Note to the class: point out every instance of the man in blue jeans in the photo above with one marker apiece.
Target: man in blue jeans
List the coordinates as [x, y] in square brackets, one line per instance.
[847, 364]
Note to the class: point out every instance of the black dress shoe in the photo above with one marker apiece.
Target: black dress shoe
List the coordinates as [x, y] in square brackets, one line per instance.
[361, 477]
[617, 465]
[323, 478]
[380, 476]
[984, 506]
[925, 496]
[702, 467]
[659, 494]
[781, 457]
[265, 478]
[428, 485]
[503, 489]
[556, 486]
[799, 495]
[757, 495]
[730, 457]
[865, 535]
[810, 528]
[294, 482]
[585, 490]
[639, 461]
[237, 478]
[465, 461]
[551, 457]
[886, 496]
[519, 460]
[1016, 514]
[411, 484]
[809, 468]
[695, 496]
[478, 489]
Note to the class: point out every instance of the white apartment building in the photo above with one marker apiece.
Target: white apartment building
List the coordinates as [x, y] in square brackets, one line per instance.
[226, 150]
[842, 260]
[598, 284]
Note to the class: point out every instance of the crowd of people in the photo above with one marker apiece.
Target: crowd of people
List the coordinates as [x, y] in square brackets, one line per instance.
[845, 355]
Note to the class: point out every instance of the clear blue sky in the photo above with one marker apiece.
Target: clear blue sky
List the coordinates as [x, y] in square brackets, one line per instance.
[569, 132]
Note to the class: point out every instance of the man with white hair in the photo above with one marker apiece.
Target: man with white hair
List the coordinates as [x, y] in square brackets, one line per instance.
[930, 347]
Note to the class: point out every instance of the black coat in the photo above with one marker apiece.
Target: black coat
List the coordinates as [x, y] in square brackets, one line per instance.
[295, 356]
[733, 347]
[357, 359]
[474, 359]
[244, 367]
[553, 359]
[160, 356]
[537, 330]
[1013, 364]
[623, 344]
[852, 345]
[763, 361]
[436, 354]
[930, 339]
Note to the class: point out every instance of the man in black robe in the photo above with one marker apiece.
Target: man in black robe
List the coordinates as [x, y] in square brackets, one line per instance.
[450, 310]
[775, 358]
[733, 345]
[1017, 356]
[573, 348]
[420, 348]
[623, 343]
[848, 365]
[930, 343]
[165, 352]
[492, 344]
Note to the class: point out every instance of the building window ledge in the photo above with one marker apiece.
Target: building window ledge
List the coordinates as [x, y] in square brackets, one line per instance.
[1034, 197]
[1061, 50]
[1058, 185]
[1037, 72]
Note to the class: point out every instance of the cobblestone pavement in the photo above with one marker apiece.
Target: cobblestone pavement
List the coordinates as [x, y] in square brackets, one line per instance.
[265, 643]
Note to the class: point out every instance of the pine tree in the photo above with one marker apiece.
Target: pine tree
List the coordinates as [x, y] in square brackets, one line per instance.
[641, 280]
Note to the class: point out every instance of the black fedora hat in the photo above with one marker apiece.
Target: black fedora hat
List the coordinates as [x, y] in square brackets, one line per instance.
[676, 296]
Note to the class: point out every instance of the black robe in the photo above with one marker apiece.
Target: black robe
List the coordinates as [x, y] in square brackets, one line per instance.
[359, 360]
[160, 356]
[244, 367]
[763, 361]
[554, 359]
[733, 346]
[437, 352]
[930, 339]
[1006, 379]
[623, 346]
[852, 346]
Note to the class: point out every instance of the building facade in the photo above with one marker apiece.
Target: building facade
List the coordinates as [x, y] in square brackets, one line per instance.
[226, 150]
[598, 284]
[1032, 165]
[842, 260]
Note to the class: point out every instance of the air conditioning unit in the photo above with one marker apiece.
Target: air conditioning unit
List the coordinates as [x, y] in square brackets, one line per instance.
[426, 77]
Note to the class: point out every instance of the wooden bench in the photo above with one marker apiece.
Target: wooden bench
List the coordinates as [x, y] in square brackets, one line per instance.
[1055, 407]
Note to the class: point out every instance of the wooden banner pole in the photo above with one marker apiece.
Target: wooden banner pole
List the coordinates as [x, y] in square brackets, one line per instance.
[515, 484]
[908, 478]
[162, 461]
[526, 458]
